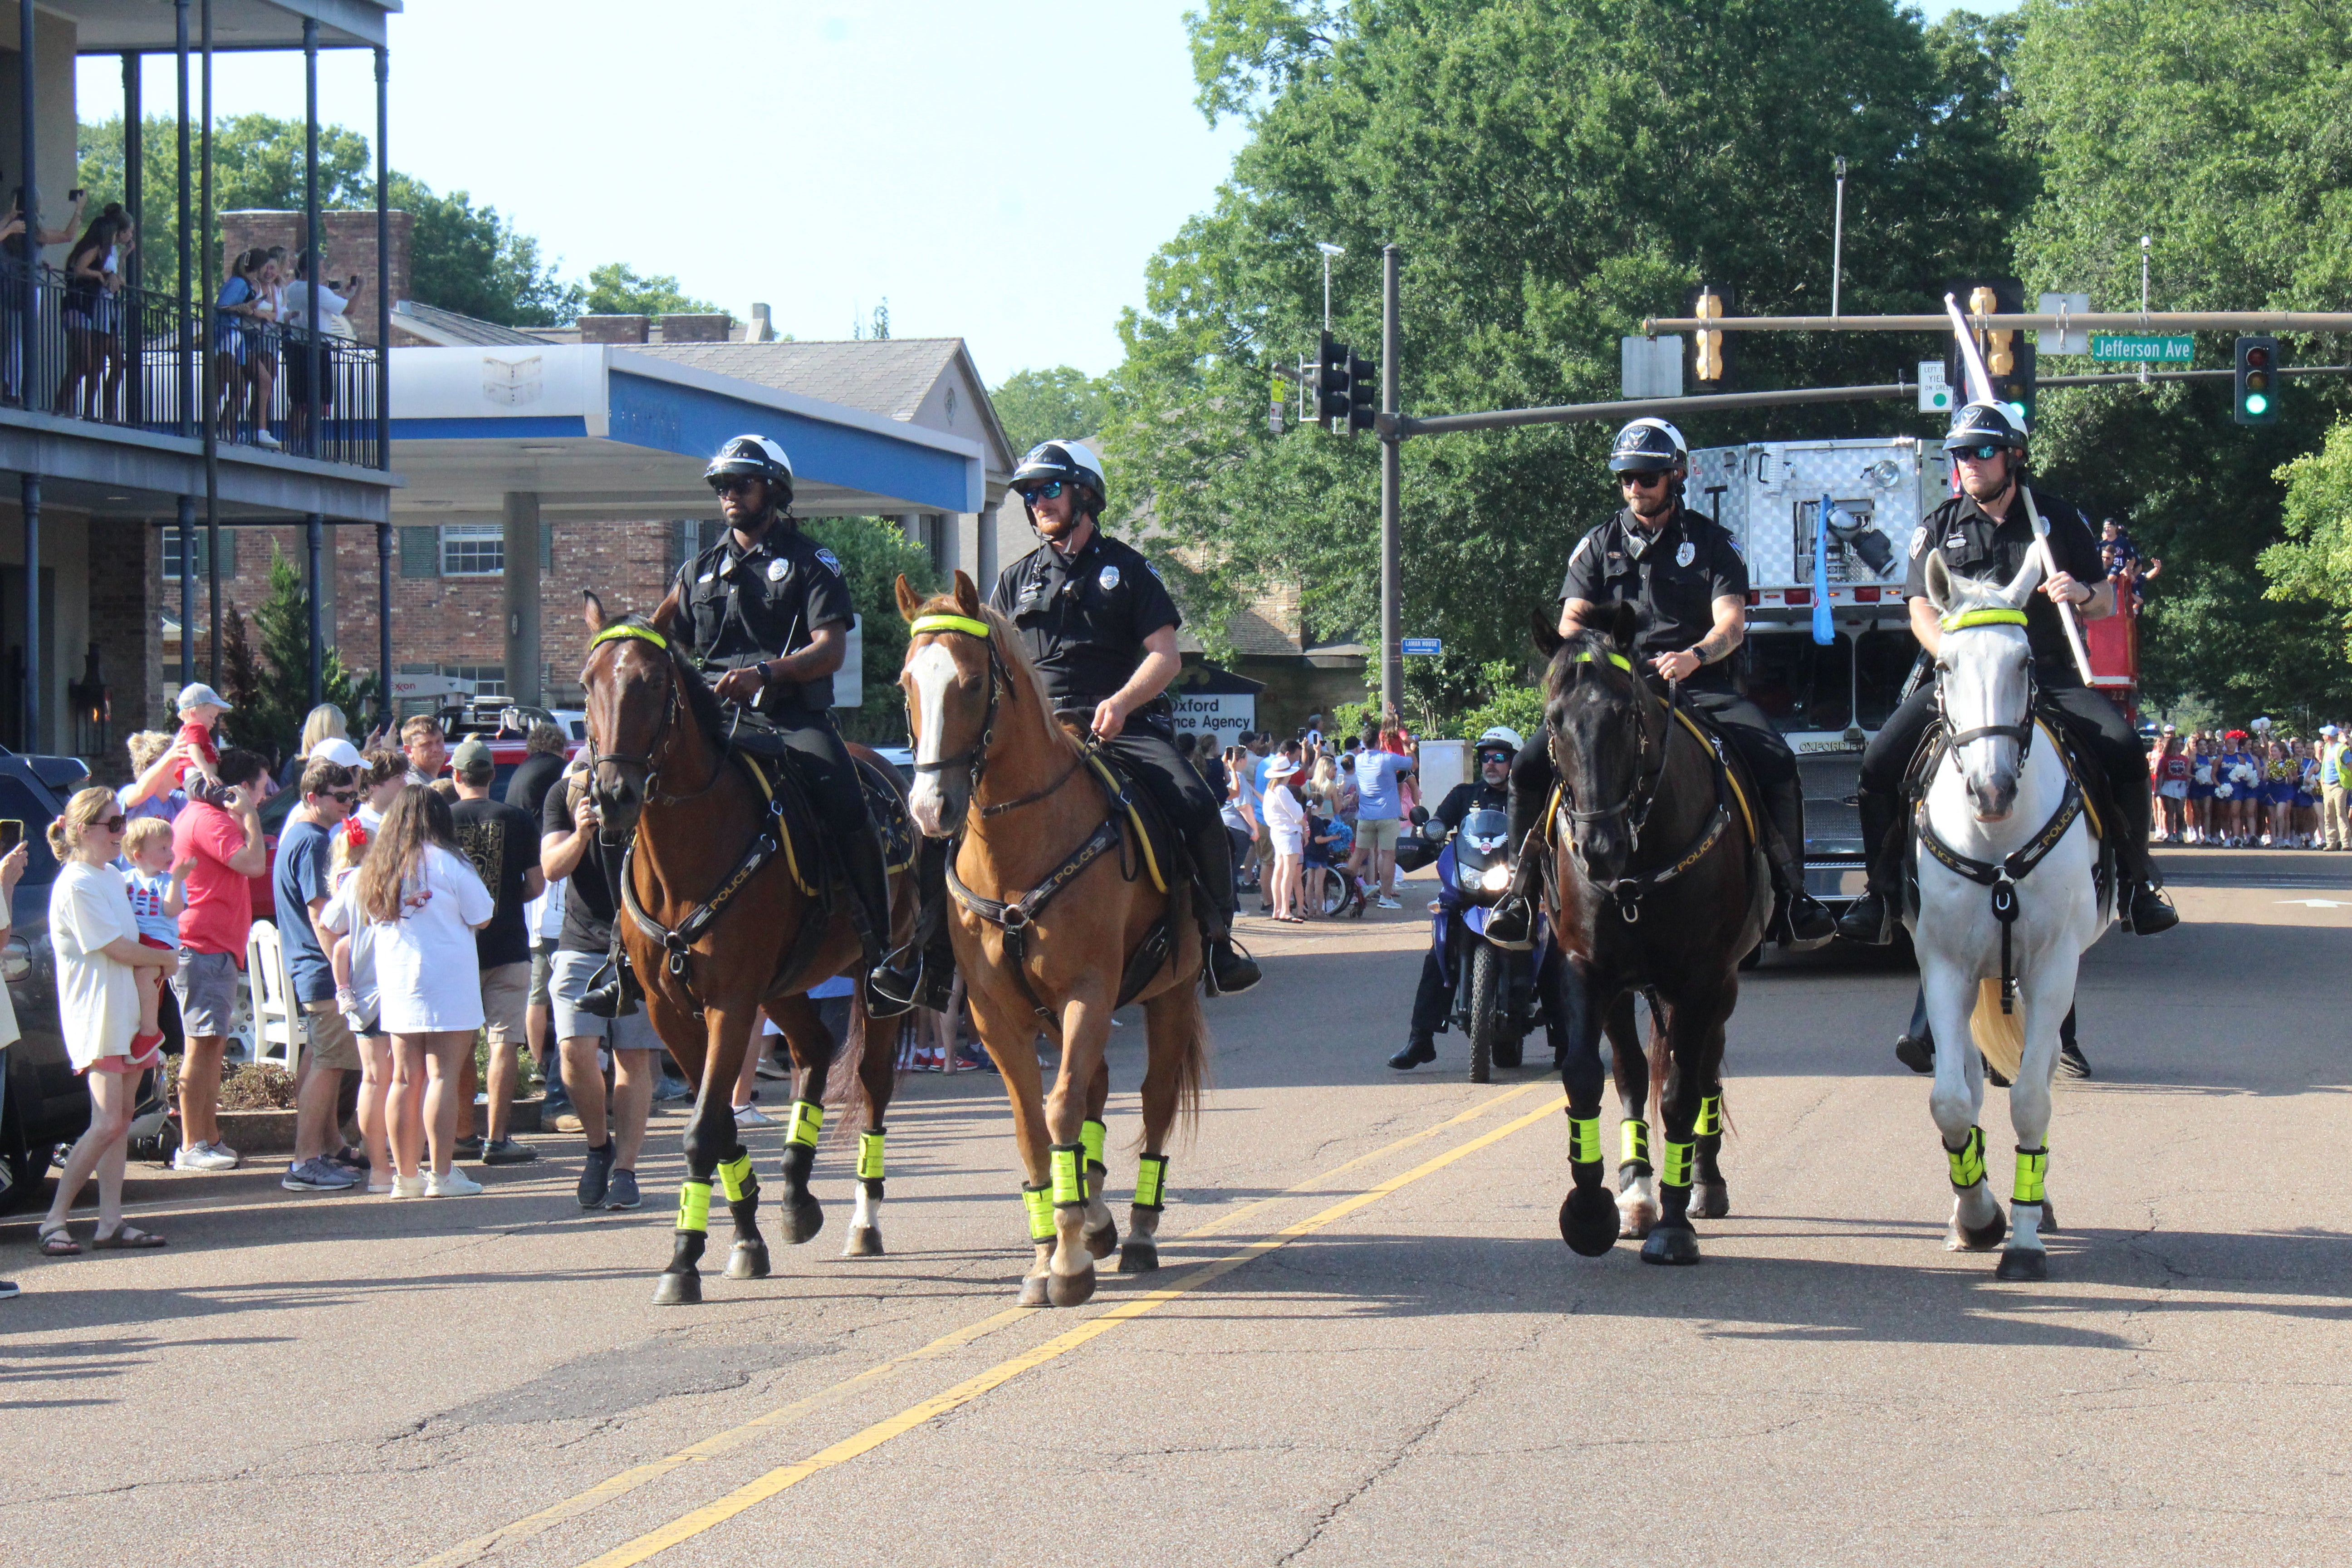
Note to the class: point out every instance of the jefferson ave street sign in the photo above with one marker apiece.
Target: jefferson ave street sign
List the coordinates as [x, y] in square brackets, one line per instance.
[2142, 351]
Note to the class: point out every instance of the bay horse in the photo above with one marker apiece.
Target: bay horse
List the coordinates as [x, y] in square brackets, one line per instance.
[1991, 943]
[1057, 891]
[1657, 885]
[719, 926]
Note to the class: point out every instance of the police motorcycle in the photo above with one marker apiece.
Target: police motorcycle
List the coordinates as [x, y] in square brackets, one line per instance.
[1495, 1003]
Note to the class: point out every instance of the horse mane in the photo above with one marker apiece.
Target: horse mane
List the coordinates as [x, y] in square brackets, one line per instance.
[1015, 659]
[705, 706]
[1588, 640]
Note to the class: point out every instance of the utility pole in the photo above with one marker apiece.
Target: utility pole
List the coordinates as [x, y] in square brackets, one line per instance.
[1837, 241]
[1392, 486]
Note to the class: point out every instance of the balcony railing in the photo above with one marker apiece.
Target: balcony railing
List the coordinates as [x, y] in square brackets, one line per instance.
[121, 357]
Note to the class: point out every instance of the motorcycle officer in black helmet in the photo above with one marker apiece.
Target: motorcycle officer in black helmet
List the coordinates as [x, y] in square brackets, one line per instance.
[1095, 621]
[1984, 532]
[1686, 578]
[765, 615]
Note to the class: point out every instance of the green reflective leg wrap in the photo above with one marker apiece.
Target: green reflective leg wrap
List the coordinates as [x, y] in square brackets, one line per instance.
[808, 1120]
[735, 1181]
[1634, 1143]
[694, 1206]
[1967, 1161]
[1039, 1203]
[2032, 1169]
[1150, 1182]
[1710, 1117]
[1676, 1170]
[1069, 1174]
[1584, 1140]
[1094, 1134]
[869, 1155]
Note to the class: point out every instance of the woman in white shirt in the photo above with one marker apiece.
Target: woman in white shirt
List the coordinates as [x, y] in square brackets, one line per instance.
[95, 938]
[1286, 823]
[424, 902]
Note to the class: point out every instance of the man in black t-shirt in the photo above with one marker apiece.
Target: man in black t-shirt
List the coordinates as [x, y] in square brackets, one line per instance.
[541, 765]
[502, 841]
[1985, 532]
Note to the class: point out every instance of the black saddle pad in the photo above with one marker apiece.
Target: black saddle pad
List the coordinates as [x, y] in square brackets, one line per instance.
[1150, 837]
[773, 772]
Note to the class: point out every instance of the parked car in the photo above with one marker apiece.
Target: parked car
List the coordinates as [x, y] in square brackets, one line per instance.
[47, 1104]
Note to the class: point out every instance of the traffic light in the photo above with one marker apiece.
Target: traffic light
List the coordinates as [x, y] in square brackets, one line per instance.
[1331, 380]
[2008, 356]
[1363, 392]
[1710, 358]
[2014, 387]
[2257, 399]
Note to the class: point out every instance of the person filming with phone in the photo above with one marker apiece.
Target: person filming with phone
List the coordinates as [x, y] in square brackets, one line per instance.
[222, 847]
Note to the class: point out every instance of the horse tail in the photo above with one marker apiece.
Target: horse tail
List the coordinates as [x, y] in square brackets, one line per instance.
[846, 1083]
[1661, 1053]
[1188, 1021]
[1999, 1036]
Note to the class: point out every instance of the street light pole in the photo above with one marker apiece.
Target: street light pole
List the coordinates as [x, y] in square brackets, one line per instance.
[1391, 484]
[1328, 250]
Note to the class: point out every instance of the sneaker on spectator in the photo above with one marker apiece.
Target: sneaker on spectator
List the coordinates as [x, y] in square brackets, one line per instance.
[671, 1089]
[408, 1186]
[769, 1067]
[622, 1193]
[7, 1289]
[262, 437]
[596, 1176]
[971, 1058]
[317, 1176]
[1388, 903]
[752, 1116]
[455, 1184]
[350, 1159]
[204, 1157]
[568, 1121]
[507, 1152]
[925, 1059]
[466, 1149]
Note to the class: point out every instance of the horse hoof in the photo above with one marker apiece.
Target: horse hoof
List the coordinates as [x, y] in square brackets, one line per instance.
[1071, 1289]
[1983, 1239]
[1636, 1221]
[2023, 1263]
[677, 1290]
[1104, 1242]
[1139, 1258]
[1587, 1221]
[748, 1260]
[1712, 1200]
[1033, 1292]
[803, 1220]
[1670, 1244]
[865, 1241]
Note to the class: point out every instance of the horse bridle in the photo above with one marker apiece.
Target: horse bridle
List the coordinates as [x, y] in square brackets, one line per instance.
[2022, 732]
[665, 733]
[1643, 795]
[974, 756]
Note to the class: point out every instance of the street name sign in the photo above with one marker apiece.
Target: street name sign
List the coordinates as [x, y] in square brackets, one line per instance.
[1421, 647]
[2135, 349]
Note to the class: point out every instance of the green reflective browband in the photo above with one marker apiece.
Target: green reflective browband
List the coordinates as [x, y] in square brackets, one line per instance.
[694, 1206]
[1038, 1201]
[869, 1155]
[1968, 618]
[1150, 1181]
[964, 624]
[1619, 659]
[1069, 1177]
[643, 633]
[808, 1120]
[1710, 1117]
[1633, 1142]
[1967, 1161]
[735, 1179]
[2032, 1169]
[1676, 1170]
[1584, 1139]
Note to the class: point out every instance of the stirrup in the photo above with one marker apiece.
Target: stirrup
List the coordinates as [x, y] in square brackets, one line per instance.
[1511, 924]
[612, 998]
[1857, 925]
[1243, 970]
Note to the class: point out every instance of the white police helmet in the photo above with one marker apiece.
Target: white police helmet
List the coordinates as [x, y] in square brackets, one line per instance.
[1501, 735]
[1062, 460]
[1648, 446]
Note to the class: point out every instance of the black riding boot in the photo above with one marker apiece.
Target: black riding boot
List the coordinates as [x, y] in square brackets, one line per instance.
[1212, 856]
[922, 972]
[2146, 910]
[1810, 923]
[614, 989]
[1870, 918]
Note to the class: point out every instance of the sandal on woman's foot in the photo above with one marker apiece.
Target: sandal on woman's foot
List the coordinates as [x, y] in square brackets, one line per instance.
[58, 1242]
[127, 1237]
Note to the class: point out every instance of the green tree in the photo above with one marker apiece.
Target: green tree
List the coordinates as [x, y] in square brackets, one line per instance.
[1036, 405]
[615, 290]
[2216, 128]
[873, 551]
[1552, 171]
[271, 710]
[472, 260]
[2312, 566]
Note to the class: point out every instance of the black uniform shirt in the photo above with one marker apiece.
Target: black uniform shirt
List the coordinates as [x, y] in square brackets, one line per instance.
[1083, 621]
[1673, 577]
[1477, 794]
[1975, 546]
[748, 605]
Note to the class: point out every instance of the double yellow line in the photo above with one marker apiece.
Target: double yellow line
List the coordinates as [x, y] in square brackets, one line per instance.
[760, 1490]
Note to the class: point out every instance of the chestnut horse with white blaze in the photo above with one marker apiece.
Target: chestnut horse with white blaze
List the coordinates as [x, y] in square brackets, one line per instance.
[1055, 892]
[717, 929]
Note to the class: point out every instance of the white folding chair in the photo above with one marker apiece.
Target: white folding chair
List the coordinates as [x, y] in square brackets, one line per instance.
[279, 1031]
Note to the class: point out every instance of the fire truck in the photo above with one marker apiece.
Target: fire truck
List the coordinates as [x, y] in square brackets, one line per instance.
[1828, 526]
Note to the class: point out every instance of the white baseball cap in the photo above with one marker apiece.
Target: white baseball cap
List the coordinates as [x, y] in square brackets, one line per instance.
[336, 750]
[196, 694]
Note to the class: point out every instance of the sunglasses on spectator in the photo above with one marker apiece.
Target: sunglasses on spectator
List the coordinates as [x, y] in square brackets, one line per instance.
[345, 795]
[732, 484]
[1642, 481]
[1049, 490]
[114, 824]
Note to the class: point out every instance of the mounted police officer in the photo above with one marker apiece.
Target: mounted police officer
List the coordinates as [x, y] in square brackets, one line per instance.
[1099, 624]
[1985, 533]
[1498, 748]
[1685, 576]
[765, 615]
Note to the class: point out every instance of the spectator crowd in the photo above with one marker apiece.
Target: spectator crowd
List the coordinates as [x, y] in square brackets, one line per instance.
[2258, 787]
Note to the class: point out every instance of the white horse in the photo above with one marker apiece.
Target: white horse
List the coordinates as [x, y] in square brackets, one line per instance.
[2003, 826]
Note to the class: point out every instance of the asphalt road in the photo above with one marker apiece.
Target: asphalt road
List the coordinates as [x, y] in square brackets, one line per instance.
[1368, 1343]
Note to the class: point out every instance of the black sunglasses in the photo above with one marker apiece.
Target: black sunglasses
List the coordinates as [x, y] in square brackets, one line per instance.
[1050, 490]
[731, 484]
[1643, 481]
[1984, 454]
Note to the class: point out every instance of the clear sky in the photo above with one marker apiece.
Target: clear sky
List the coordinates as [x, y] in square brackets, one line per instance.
[999, 171]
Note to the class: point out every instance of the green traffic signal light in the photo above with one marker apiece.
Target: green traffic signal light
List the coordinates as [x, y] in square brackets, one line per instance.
[2257, 404]
[2256, 401]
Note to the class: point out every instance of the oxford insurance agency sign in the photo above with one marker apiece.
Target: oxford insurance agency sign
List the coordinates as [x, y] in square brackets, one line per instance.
[1214, 702]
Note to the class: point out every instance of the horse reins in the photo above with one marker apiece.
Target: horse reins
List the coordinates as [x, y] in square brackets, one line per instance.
[657, 750]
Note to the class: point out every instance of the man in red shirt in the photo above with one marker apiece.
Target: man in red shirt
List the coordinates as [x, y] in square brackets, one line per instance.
[222, 847]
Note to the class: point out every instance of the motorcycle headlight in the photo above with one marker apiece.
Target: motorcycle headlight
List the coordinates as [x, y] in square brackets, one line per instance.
[1497, 878]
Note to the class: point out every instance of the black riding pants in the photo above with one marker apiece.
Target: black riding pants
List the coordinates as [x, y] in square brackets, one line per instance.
[822, 762]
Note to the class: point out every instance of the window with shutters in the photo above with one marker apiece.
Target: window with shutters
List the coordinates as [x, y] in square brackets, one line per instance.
[473, 550]
[172, 548]
[420, 553]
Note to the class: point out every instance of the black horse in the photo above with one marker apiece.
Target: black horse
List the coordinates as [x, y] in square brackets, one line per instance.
[1657, 885]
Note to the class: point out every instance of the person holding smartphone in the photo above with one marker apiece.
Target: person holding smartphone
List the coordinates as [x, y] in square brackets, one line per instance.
[223, 849]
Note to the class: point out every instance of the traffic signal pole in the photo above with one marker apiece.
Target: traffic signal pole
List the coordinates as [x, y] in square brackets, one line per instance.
[1391, 433]
[2082, 321]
